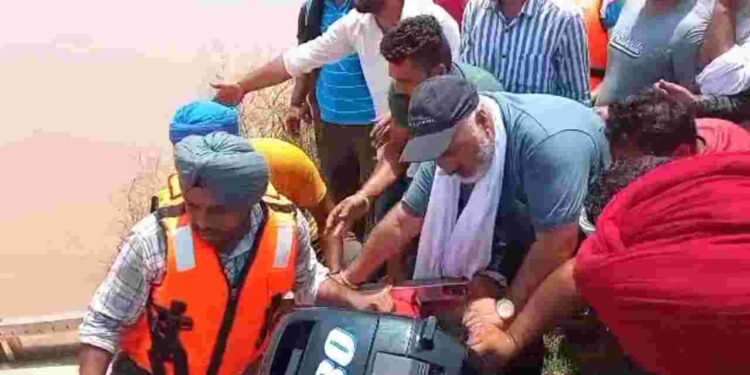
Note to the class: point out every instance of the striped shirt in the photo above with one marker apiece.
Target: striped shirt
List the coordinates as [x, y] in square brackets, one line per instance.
[341, 89]
[544, 50]
[142, 263]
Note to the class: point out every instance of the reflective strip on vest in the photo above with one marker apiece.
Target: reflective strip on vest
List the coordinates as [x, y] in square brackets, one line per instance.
[284, 238]
[185, 255]
[197, 278]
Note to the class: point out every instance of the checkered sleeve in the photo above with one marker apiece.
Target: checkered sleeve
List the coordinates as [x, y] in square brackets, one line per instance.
[310, 273]
[122, 295]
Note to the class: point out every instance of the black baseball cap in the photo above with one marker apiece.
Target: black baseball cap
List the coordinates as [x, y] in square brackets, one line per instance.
[437, 106]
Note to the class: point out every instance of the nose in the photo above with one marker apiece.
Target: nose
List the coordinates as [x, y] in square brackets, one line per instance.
[200, 220]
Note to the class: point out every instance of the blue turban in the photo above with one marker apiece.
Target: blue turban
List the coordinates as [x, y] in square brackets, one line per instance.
[225, 164]
[201, 118]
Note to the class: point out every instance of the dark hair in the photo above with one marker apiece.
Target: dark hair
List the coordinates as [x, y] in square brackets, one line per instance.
[621, 173]
[656, 123]
[418, 38]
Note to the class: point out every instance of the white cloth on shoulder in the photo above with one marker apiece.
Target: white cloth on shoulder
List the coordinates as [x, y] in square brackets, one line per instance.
[460, 246]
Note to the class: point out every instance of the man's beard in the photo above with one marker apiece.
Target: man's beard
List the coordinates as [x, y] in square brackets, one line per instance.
[484, 158]
[369, 6]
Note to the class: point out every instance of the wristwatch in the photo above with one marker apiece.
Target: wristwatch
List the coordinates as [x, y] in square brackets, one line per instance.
[505, 309]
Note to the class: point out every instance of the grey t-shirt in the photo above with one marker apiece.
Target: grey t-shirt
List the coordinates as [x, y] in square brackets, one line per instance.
[645, 48]
[556, 147]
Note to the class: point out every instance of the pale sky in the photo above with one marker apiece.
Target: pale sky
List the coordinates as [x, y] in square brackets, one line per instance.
[87, 85]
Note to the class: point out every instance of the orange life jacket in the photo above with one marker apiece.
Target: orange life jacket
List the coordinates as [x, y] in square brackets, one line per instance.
[598, 39]
[230, 325]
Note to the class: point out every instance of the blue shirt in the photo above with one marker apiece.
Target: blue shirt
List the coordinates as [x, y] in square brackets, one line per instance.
[556, 147]
[342, 93]
[543, 50]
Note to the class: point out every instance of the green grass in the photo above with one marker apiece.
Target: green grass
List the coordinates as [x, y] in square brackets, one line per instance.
[556, 360]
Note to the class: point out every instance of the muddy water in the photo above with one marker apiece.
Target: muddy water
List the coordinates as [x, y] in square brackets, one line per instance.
[85, 88]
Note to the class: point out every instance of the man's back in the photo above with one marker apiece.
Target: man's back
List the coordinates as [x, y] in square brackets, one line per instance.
[292, 172]
[556, 147]
[722, 136]
[644, 48]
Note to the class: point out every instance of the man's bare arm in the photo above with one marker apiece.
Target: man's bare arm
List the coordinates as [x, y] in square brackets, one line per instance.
[387, 240]
[270, 74]
[302, 87]
[386, 173]
[720, 36]
[556, 299]
[390, 168]
[331, 244]
[93, 360]
[551, 249]
[331, 292]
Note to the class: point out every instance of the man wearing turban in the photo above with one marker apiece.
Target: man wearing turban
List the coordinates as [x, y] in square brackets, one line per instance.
[666, 270]
[291, 173]
[215, 269]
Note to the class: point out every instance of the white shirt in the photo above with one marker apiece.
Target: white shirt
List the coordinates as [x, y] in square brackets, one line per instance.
[359, 33]
[729, 73]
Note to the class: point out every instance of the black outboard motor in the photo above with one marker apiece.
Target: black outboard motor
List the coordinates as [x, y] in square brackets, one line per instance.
[328, 341]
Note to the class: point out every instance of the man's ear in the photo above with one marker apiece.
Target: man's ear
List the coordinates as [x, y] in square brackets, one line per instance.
[438, 70]
[485, 122]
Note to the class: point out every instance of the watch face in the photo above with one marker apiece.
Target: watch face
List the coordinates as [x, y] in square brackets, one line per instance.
[505, 309]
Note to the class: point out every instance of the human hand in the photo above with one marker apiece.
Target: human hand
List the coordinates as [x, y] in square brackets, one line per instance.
[381, 131]
[379, 302]
[293, 118]
[494, 347]
[675, 91]
[228, 93]
[482, 311]
[343, 216]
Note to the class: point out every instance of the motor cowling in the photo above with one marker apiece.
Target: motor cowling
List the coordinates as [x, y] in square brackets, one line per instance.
[329, 341]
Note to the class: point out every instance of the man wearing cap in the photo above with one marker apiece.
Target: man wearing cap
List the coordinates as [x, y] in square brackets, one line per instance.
[201, 284]
[415, 49]
[505, 174]
[359, 31]
[291, 173]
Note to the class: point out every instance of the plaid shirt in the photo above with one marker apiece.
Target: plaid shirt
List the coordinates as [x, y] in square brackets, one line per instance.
[141, 263]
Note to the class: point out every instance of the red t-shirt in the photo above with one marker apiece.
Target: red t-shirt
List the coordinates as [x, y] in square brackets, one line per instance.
[454, 7]
[723, 136]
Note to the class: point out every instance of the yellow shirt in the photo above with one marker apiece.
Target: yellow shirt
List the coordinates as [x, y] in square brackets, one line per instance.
[292, 172]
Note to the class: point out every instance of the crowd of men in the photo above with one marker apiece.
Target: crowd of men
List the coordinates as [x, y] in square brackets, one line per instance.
[483, 144]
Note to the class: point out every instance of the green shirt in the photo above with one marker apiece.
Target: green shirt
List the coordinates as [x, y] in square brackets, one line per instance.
[485, 81]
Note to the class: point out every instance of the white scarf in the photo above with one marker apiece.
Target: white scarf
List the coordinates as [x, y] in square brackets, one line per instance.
[459, 246]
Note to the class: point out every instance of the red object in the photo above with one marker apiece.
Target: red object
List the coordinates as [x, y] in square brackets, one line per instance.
[723, 136]
[597, 37]
[668, 269]
[406, 304]
[454, 7]
[423, 298]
